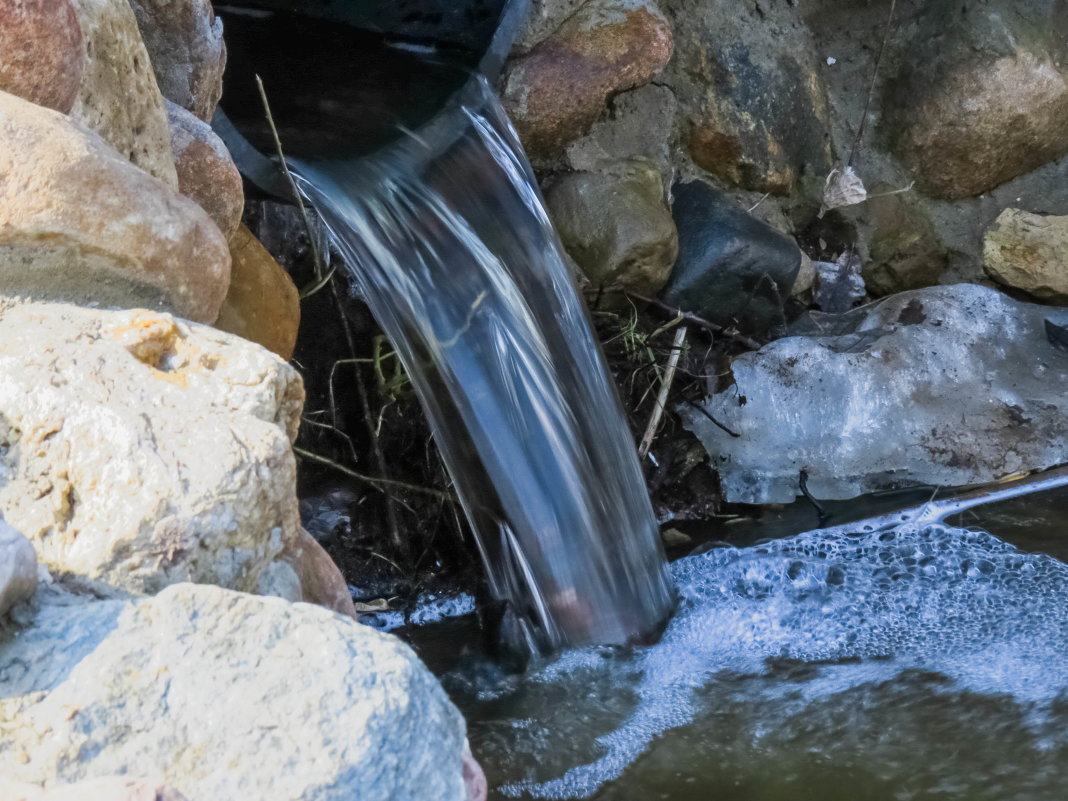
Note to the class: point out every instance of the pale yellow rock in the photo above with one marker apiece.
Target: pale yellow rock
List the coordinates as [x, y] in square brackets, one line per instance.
[119, 97]
[143, 450]
[78, 222]
[1029, 252]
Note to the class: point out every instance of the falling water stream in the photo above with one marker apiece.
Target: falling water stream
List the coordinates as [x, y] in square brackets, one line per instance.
[460, 265]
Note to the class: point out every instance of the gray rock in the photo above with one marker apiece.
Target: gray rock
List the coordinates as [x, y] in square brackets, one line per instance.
[732, 269]
[1029, 252]
[224, 695]
[110, 788]
[639, 124]
[138, 450]
[948, 385]
[988, 103]
[751, 91]
[616, 225]
[18, 568]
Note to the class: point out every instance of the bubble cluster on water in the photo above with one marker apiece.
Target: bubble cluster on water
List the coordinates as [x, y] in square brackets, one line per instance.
[429, 608]
[958, 602]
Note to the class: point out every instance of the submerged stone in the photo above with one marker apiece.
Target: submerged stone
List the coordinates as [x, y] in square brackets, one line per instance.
[732, 268]
[949, 385]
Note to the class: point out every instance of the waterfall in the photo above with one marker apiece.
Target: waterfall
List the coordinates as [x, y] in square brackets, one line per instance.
[456, 257]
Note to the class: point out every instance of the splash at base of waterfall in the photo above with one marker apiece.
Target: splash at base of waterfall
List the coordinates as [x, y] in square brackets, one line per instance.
[916, 654]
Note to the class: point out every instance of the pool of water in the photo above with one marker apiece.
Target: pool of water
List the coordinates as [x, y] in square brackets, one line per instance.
[916, 662]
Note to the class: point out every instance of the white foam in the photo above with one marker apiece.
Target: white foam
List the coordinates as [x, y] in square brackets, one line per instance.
[928, 596]
[430, 608]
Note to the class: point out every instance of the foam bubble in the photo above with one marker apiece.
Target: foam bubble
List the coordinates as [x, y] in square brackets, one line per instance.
[920, 596]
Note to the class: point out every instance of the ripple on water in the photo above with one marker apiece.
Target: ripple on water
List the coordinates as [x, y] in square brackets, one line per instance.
[920, 600]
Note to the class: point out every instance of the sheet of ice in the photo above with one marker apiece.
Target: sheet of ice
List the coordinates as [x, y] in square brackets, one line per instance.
[430, 608]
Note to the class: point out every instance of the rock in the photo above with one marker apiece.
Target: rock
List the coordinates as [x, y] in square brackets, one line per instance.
[806, 276]
[557, 90]
[732, 269]
[41, 52]
[18, 569]
[225, 696]
[905, 251]
[185, 42]
[749, 85]
[262, 305]
[207, 174]
[140, 450]
[79, 222]
[1028, 251]
[988, 104]
[118, 97]
[321, 581]
[945, 386]
[543, 18]
[640, 124]
[616, 225]
[113, 788]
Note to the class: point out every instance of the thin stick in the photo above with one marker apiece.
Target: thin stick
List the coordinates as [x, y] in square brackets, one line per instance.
[377, 483]
[321, 279]
[701, 322]
[661, 399]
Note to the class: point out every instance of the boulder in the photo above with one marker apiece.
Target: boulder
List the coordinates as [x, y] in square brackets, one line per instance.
[18, 568]
[185, 42]
[207, 174]
[138, 450]
[224, 695]
[262, 304]
[732, 269]
[946, 386]
[79, 222]
[751, 93]
[118, 97]
[557, 90]
[1029, 252]
[989, 103]
[616, 225]
[41, 52]
[111, 788]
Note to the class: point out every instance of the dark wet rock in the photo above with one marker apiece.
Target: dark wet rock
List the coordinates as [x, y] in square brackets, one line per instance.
[984, 102]
[732, 269]
[1027, 251]
[948, 385]
[748, 80]
[616, 225]
[558, 90]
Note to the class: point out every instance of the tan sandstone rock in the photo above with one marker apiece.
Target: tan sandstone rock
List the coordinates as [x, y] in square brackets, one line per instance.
[142, 450]
[18, 569]
[78, 222]
[119, 98]
[41, 51]
[262, 305]
[207, 174]
[557, 90]
[185, 42]
[1030, 252]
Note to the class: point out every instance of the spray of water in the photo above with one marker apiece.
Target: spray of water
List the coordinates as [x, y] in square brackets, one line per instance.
[458, 261]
